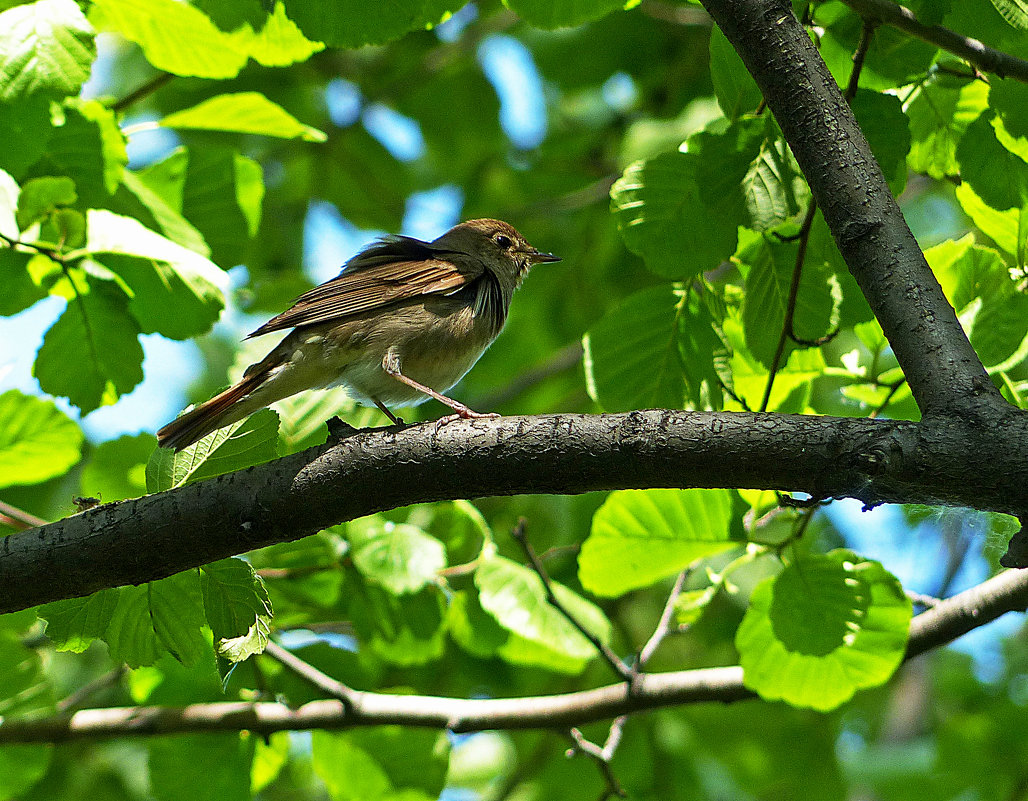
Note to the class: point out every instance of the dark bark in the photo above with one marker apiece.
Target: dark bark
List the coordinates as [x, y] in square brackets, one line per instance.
[945, 374]
[941, 461]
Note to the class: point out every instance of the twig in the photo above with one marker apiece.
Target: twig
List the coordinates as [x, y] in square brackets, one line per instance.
[612, 658]
[601, 756]
[985, 58]
[109, 679]
[893, 389]
[293, 572]
[139, 93]
[664, 625]
[927, 601]
[17, 518]
[788, 327]
[331, 687]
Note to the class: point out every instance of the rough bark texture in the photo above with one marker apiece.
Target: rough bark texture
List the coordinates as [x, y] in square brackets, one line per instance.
[943, 461]
[945, 374]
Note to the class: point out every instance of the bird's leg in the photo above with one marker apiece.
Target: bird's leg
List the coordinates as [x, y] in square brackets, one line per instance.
[396, 420]
[391, 364]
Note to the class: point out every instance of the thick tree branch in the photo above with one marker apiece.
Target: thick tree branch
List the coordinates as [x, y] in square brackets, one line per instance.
[945, 374]
[940, 462]
[971, 50]
[941, 624]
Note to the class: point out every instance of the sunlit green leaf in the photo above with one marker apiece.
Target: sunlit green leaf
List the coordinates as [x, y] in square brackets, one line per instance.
[244, 112]
[72, 624]
[237, 607]
[399, 557]
[37, 440]
[45, 47]
[515, 596]
[822, 629]
[639, 537]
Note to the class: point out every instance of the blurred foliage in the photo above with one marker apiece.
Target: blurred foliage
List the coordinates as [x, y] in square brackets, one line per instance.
[676, 205]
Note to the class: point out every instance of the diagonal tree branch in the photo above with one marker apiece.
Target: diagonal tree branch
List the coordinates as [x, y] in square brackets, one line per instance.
[945, 374]
[942, 623]
[938, 462]
[971, 50]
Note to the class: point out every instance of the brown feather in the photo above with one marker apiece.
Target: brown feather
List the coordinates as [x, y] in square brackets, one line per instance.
[199, 422]
[375, 279]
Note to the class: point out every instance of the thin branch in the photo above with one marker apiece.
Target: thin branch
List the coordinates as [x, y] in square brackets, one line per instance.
[664, 625]
[145, 90]
[18, 518]
[951, 618]
[109, 679]
[615, 662]
[602, 759]
[982, 57]
[790, 306]
[788, 323]
[306, 671]
[881, 407]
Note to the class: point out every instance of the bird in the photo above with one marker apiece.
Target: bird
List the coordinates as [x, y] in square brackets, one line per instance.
[403, 321]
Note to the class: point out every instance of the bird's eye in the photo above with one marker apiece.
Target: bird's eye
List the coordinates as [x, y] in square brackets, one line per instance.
[503, 241]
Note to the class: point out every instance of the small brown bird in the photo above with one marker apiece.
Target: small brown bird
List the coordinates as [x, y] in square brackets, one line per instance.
[404, 321]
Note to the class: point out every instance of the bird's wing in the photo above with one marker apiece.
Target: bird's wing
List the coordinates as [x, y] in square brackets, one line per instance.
[394, 270]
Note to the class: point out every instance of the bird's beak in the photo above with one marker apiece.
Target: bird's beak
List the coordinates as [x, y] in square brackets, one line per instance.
[538, 257]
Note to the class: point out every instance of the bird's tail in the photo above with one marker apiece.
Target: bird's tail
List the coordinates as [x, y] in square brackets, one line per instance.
[224, 408]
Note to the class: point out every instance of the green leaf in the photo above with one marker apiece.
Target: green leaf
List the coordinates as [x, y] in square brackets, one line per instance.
[21, 767]
[399, 557]
[349, 772]
[116, 469]
[91, 355]
[353, 23]
[657, 202]
[402, 629]
[736, 91]
[551, 14]
[771, 265]
[41, 196]
[72, 624]
[639, 537]
[691, 604]
[201, 767]
[1013, 11]
[87, 146]
[302, 417]
[237, 607]
[138, 200]
[270, 756]
[791, 388]
[825, 627]
[997, 176]
[18, 276]
[221, 194]
[384, 762]
[27, 129]
[176, 291]
[1009, 98]
[243, 112]
[278, 43]
[242, 444]
[631, 357]
[885, 126]
[158, 617]
[1008, 229]
[37, 440]
[774, 186]
[175, 37]
[515, 596]
[969, 272]
[939, 116]
[46, 47]
[9, 192]
[472, 628]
